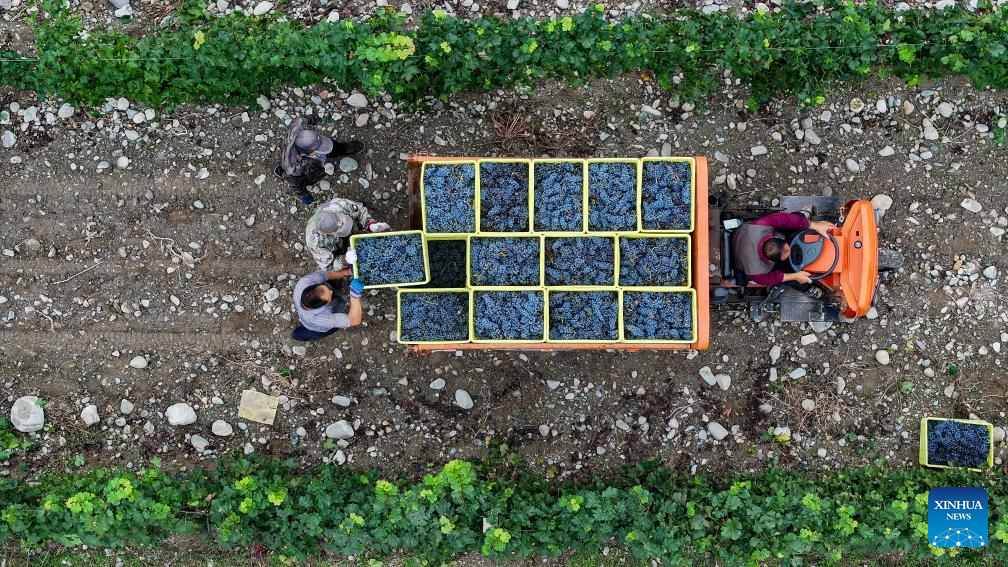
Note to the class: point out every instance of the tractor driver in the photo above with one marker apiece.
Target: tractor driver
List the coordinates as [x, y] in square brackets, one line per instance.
[758, 246]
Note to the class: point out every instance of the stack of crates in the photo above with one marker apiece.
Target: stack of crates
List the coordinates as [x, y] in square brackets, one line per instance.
[554, 251]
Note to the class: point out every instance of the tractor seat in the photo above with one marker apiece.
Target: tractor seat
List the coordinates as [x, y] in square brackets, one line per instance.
[729, 271]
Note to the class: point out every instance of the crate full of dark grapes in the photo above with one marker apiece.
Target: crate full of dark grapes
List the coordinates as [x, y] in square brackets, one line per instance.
[579, 260]
[428, 316]
[508, 315]
[665, 201]
[505, 261]
[448, 197]
[388, 259]
[582, 315]
[654, 261]
[504, 195]
[657, 315]
[558, 195]
[447, 259]
[611, 199]
[946, 443]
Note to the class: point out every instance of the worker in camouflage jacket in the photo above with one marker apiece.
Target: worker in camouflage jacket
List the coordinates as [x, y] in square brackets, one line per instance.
[327, 235]
[305, 153]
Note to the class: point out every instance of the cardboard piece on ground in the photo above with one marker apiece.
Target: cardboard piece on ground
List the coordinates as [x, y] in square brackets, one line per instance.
[258, 407]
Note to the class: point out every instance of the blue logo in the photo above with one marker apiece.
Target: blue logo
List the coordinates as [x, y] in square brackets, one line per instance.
[957, 517]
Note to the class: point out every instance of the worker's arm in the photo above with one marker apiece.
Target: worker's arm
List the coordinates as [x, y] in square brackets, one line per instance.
[777, 277]
[339, 274]
[356, 313]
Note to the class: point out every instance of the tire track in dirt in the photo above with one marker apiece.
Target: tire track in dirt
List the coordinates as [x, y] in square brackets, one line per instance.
[33, 342]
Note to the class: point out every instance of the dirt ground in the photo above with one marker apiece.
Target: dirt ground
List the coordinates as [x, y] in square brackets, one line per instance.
[173, 257]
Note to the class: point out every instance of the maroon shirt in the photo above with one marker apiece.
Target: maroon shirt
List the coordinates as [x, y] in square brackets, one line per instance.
[784, 222]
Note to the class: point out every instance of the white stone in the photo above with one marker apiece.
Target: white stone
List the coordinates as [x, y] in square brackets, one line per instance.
[882, 357]
[775, 352]
[708, 376]
[340, 430]
[723, 381]
[65, 111]
[27, 414]
[797, 373]
[221, 428]
[811, 137]
[8, 139]
[946, 109]
[463, 399]
[138, 362]
[760, 150]
[990, 272]
[119, 4]
[126, 407]
[852, 166]
[299, 350]
[357, 100]
[272, 294]
[881, 203]
[342, 401]
[180, 414]
[347, 164]
[199, 443]
[262, 8]
[563, 4]
[999, 434]
[512, 4]
[437, 384]
[809, 339]
[886, 151]
[808, 404]
[717, 430]
[264, 102]
[122, 162]
[89, 415]
[971, 205]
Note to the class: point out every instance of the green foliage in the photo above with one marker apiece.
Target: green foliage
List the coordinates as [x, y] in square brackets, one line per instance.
[776, 516]
[802, 50]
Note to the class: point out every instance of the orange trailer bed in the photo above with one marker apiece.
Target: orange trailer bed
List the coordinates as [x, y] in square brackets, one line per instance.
[701, 274]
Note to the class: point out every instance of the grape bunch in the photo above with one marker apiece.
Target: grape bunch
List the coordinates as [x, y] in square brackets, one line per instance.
[504, 195]
[558, 196]
[580, 260]
[583, 315]
[447, 260]
[434, 316]
[390, 259]
[662, 315]
[957, 444]
[653, 261]
[505, 261]
[508, 315]
[666, 196]
[612, 196]
[449, 194]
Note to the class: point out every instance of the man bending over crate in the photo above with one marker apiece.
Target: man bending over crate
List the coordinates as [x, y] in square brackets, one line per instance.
[327, 235]
[305, 153]
[321, 307]
[759, 246]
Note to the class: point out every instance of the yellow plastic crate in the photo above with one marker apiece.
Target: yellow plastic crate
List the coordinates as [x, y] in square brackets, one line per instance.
[472, 313]
[689, 257]
[923, 453]
[619, 313]
[469, 282]
[423, 240]
[640, 193]
[693, 311]
[399, 314]
[584, 193]
[479, 197]
[610, 235]
[465, 258]
[423, 195]
[587, 187]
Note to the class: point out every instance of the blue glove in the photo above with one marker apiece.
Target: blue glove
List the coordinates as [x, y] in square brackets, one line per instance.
[356, 288]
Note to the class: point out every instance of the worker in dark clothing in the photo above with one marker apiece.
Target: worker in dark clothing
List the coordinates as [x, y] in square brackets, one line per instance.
[305, 153]
[321, 308]
[758, 246]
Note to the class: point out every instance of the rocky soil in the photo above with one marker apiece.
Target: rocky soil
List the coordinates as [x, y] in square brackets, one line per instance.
[148, 260]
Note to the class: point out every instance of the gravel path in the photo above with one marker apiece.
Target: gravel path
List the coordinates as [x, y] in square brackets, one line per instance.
[166, 237]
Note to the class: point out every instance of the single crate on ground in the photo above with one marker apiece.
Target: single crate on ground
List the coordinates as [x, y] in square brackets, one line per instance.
[666, 197]
[448, 195]
[508, 315]
[433, 316]
[558, 188]
[654, 261]
[504, 196]
[580, 260]
[612, 194]
[504, 261]
[390, 258]
[965, 443]
[659, 316]
[446, 259]
[576, 315]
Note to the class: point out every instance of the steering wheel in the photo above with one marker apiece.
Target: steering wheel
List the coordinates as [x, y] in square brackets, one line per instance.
[804, 253]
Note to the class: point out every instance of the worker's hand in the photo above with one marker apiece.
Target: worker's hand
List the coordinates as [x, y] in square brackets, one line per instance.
[378, 226]
[356, 289]
[351, 256]
[802, 277]
[822, 227]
